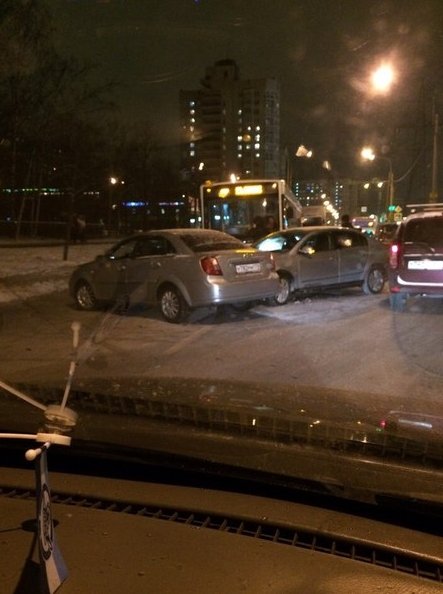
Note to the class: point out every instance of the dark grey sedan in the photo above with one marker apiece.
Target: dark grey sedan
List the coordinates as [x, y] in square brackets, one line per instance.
[318, 257]
[178, 269]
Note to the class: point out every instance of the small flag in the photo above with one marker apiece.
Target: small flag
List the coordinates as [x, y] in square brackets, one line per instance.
[53, 570]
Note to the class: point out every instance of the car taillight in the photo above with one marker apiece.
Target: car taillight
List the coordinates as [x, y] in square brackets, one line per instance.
[211, 266]
[395, 254]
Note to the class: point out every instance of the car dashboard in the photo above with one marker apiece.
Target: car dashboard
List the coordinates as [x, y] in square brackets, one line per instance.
[132, 536]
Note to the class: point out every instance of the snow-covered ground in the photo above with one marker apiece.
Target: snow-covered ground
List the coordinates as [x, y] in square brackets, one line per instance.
[32, 271]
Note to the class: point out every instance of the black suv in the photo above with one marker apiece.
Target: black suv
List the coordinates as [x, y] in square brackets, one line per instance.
[416, 256]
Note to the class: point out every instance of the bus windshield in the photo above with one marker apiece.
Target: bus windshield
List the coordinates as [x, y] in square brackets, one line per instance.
[249, 210]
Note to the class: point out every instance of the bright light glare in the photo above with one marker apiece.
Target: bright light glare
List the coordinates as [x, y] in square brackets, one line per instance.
[367, 153]
[382, 78]
[302, 151]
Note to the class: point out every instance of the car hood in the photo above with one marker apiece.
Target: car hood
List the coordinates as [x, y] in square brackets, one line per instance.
[276, 432]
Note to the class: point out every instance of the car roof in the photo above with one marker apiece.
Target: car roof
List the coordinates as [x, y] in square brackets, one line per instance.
[177, 231]
[312, 228]
[426, 211]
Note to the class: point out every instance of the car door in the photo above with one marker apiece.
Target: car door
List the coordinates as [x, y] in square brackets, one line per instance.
[352, 250]
[109, 272]
[317, 261]
[150, 259]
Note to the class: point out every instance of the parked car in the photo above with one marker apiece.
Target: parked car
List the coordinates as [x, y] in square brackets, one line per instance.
[416, 257]
[318, 257]
[178, 269]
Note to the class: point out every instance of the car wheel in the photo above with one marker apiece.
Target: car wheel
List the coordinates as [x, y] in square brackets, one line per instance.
[84, 296]
[173, 306]
[398, 301]
[374, 281]
[282, 296]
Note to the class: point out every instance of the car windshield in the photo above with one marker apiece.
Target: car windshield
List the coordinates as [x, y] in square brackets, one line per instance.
[216, 128]
[278, 242]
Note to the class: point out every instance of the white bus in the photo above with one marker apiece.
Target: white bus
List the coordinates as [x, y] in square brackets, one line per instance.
[250, 208]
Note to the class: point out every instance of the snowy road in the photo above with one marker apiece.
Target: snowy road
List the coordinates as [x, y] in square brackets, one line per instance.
[341, 340]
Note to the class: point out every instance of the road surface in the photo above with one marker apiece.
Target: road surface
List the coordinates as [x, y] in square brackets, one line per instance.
[342, 340]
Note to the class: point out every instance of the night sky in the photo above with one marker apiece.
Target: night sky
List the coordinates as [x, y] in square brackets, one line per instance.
[322, 52]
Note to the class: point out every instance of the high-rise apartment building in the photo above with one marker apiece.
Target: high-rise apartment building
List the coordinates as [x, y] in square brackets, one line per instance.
[230, 126]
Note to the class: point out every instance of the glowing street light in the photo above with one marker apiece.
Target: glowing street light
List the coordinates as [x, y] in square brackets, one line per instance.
[367, 153]
[383, 78]
[113, 181]
[302, 151]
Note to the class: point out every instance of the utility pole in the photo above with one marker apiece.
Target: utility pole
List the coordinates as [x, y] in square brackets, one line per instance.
[433, 195]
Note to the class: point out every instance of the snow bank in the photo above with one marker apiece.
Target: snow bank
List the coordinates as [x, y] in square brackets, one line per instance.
[34, 271]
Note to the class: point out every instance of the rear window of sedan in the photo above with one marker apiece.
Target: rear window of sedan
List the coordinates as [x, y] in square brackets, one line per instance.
[204, 242]
[280, 242]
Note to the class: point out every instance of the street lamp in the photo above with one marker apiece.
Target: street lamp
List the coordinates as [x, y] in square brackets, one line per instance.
[367, 154]
[113, 181]
[382, 79]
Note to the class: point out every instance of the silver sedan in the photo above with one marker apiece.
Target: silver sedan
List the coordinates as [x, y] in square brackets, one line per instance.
[178, 269]
[318, 257]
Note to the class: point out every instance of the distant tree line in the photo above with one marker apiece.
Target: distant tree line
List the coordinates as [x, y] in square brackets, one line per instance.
[59, 129]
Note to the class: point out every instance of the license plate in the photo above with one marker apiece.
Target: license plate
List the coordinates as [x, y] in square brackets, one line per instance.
[425, 265]
[246, 268]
